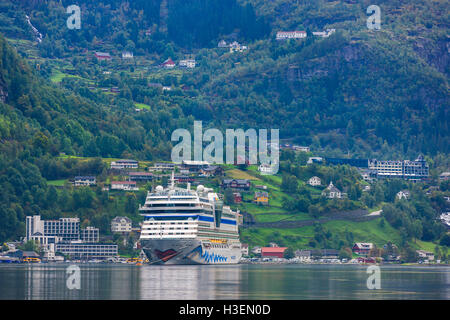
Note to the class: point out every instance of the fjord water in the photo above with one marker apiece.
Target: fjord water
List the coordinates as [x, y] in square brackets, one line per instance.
[114, 281]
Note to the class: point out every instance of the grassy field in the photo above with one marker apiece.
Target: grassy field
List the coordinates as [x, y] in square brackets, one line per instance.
[56, 183]
[239, 174]
[369, 231]
[142, 106]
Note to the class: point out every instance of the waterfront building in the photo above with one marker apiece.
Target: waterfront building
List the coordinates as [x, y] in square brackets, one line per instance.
[362, 248]
[425, 255]
[81, 250]
[90, 234]
[303, 255]
[272, 252]
[66, 229]
[244, 249]
[256, 250]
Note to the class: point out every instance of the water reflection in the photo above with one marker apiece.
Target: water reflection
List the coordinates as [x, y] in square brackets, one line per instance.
[98, 281]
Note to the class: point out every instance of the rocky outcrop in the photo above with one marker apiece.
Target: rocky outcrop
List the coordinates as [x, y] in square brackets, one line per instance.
[436, 54]
[3, 92]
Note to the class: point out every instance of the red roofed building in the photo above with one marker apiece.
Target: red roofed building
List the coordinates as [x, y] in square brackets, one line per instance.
[102, 56]
[168, 63]
[272, 252]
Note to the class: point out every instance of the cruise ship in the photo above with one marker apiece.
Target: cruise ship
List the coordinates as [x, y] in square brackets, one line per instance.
[184, 226]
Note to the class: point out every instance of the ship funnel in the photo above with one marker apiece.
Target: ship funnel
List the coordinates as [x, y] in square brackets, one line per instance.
[189, 186]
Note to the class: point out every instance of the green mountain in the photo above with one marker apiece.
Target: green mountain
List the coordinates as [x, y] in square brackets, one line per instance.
[359, 92]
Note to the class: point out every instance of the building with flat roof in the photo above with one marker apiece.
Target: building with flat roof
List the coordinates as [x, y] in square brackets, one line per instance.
[90, 234]
[67, 229]
[124, 164]
[81, 250]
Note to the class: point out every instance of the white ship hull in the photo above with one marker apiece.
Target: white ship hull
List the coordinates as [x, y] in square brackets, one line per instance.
[189, 251]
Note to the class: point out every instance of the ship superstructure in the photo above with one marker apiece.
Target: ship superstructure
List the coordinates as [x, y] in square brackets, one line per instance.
[186, 226]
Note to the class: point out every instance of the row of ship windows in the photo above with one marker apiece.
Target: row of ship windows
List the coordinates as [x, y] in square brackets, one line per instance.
[163, 223]
[171, 228]
[169, 233]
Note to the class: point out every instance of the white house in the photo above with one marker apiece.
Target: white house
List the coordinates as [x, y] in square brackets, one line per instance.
[256, 250]
[266, 168]
[124, 164]
[301, 148]
[314, 181]
[124, 185]
[324, 34]
[188, 63]
[244, 249]
[403, 194]
[84, 181]
[332, 192]
[127, 55]
[425, 255]
[312, 160]
[303, 255]
[121, 224]
[222, 44]
[283, 35]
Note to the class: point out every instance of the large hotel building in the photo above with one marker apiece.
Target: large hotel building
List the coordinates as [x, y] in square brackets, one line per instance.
[406, 169]
[65, 236]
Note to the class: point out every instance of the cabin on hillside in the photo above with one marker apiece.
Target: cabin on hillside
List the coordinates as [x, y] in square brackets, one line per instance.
[102, 56]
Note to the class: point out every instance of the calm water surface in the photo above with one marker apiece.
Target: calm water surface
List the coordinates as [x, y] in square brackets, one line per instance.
[101, 281]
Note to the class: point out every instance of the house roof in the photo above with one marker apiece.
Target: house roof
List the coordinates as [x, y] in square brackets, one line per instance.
[103, 54]
[364, 245]
[126, 161]
[273, 249]
[261, 194]
[140, 174]
[119, 219]
[168, 62]
[332, 188]
[236, 180]
[123, 182]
